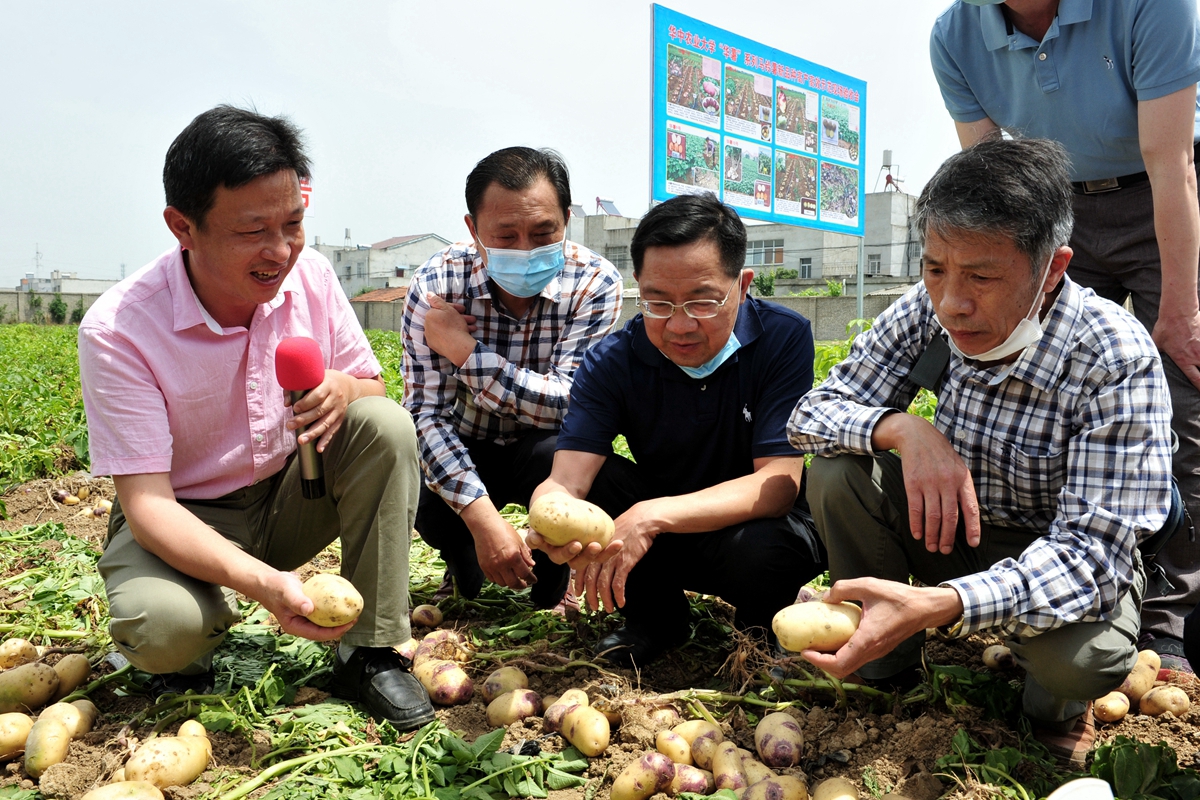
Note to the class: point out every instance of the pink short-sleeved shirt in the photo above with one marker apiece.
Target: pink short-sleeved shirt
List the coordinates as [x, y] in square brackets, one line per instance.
[167, 389]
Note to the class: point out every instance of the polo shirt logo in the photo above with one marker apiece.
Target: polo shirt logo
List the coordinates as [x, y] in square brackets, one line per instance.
[746, 413]
[1108, 62]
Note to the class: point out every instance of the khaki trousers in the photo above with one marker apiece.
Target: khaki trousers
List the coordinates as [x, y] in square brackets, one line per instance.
[165, 621]
[861, 511]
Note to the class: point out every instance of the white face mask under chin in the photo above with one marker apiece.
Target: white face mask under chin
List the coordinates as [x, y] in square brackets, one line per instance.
[1024, 335]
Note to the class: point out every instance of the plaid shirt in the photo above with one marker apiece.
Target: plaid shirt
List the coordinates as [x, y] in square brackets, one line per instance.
[519, 376]
[1073, 438]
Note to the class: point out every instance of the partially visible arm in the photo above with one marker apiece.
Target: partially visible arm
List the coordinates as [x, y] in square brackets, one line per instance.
[324, 407]
[1166, 128]
[971, 132]
[168, 530]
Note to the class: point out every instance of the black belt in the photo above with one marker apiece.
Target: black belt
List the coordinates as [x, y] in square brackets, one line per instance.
[1113, 184]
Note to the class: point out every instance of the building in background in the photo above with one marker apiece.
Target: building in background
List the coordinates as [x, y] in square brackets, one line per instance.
[891, 246]
[63, 283]
[390, 263]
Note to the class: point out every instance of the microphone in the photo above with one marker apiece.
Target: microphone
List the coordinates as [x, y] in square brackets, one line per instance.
[300, 367]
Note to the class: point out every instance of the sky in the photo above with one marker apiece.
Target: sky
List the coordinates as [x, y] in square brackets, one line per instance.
[398, 101]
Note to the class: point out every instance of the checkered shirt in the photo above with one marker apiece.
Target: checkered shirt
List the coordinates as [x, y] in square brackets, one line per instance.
[519, 376]
[1072, 439]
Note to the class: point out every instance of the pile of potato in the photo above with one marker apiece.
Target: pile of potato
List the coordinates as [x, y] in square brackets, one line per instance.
[1143, 686]
[159, 763]
[695, 757]
[99, 508]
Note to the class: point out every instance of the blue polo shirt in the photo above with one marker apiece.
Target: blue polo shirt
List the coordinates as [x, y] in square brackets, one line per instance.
[1080, 85]
[689, 434]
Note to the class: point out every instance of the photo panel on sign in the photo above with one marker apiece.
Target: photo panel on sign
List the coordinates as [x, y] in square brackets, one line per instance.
[747, 169]
[795, 185]
[693, 160]
[796, 117]
[693, 86]
[839, 130]
[748, 104]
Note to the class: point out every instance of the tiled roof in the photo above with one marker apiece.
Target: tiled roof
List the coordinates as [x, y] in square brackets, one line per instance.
[389, 295]
[395, 240]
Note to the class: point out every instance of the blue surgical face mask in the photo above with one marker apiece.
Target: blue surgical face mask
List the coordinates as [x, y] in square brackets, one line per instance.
[709, 367]
[524, 273]
[983, 2]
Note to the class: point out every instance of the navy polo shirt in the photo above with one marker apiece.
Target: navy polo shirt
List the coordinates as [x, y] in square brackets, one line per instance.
[1080, 85]
[686, 433]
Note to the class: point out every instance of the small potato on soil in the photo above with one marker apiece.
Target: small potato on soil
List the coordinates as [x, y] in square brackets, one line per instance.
[408, 649]
[192, 727]
[835, 789]
[1150, 658]
[703, 738]
[999, 657]
[674, 747]
[727, 767]
[442, 644]
[691, 779]
[502, 681]
[27, 687]
[649, 775]
[777, 787]
[1139, 681]
[553, 718]
[14, 730]
[753, 769]
[73, 670]
[335, 600]
[427, 616]
[513, 706]
[779, 740]
[78, 717]
[15, 652]
[169, 761]
[816, 626]
[125, 790]
[665, 717]
[588, 730]
[1111, 708]
[1162, 699]
[445, 681]
[45, 746]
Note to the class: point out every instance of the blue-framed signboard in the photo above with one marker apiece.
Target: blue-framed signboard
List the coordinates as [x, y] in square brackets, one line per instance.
[775, 136]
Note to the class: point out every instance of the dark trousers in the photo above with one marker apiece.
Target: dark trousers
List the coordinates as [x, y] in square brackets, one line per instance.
[1116, 254]
[756, 566]
[510, 472]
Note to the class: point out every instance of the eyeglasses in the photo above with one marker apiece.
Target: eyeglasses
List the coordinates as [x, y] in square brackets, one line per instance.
[696, 309]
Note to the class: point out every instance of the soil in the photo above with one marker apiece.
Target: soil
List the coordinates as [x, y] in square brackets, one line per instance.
[881, 749]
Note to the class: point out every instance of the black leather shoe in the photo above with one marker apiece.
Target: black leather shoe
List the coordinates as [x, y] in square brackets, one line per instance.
[552, 581]
[174, 683]
[379, 679]
[636, 646]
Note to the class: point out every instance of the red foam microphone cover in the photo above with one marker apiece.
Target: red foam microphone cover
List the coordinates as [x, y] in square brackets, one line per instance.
[299, 365]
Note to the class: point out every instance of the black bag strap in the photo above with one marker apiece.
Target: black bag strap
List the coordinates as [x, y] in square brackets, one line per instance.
[931, 366]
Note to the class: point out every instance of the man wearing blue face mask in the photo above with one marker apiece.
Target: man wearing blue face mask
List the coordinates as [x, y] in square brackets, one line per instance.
[493, 331]
[1021, 507]
[1115, 84]
[701, 384]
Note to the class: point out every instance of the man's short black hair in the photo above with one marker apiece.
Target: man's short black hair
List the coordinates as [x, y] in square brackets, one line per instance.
[228, 146]
[692, 218]
[516, 169]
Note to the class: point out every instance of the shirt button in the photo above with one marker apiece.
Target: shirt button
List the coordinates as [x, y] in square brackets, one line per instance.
[1041, 56]
[253, 384]
[258, 437]
[960, 434]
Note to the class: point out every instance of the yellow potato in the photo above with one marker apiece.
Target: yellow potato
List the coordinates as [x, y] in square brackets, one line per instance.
[816, 625]
[754, 770]
[1162, 699]
[502, 681]
[1151, 659]
[335, 600]
[999, 657]
[552, 719]
[1111, 708]
[835, 789]
[513, 706]
[702, 736]
[664, 717]
[27, 687]
[427, 616]
[691, 779]
[14, 730]
[72, 671]
[125, 790]
[46, 745]
[15, 652]
[610, 709]
[118, 776]
[779, 740]
[445, 681]
[561, 519]
[193, 727]
[587, 729]
[169, 761]
[727, 767]
[650, 774]
[1139, 681]
[674, 747]
[777, 787]
[78, 717]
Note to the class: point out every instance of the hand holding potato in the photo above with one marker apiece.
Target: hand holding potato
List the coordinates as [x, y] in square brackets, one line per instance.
[892, 612]
[602, 583]
[284, 597]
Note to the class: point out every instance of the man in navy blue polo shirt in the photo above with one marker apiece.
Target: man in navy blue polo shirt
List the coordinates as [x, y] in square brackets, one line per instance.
[701, 384]
[1115, 84]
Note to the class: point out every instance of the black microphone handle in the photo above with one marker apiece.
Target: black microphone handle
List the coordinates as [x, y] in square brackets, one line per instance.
[312, 473]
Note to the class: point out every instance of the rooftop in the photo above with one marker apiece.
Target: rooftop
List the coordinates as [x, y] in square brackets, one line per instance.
[388, 295]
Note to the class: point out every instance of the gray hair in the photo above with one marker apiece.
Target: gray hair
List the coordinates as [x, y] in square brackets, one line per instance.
[1016, 188]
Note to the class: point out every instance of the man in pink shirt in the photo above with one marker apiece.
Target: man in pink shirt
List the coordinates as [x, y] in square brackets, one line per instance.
[185, 412]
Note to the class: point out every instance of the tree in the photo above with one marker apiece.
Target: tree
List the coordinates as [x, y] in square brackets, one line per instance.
[58, 309]
[77, 312]
[36, 315]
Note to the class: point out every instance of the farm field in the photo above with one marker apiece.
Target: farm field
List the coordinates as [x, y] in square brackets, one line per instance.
[276, 733]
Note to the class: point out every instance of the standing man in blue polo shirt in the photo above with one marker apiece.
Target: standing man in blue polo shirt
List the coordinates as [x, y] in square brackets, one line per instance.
[701, 384]
[1115, 83]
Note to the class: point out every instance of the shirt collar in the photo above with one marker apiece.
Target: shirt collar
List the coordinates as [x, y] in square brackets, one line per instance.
[187, 310]
[995, 27]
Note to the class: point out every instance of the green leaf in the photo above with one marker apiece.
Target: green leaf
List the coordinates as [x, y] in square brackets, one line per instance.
[557, 780]
[530, 788]
[1127, 772]
[488, 743]
[451, 793]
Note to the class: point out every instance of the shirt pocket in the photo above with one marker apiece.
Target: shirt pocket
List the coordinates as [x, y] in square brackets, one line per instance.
[1024, 481]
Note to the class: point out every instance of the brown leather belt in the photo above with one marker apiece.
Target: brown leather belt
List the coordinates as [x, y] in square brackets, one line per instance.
[1113, 184]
